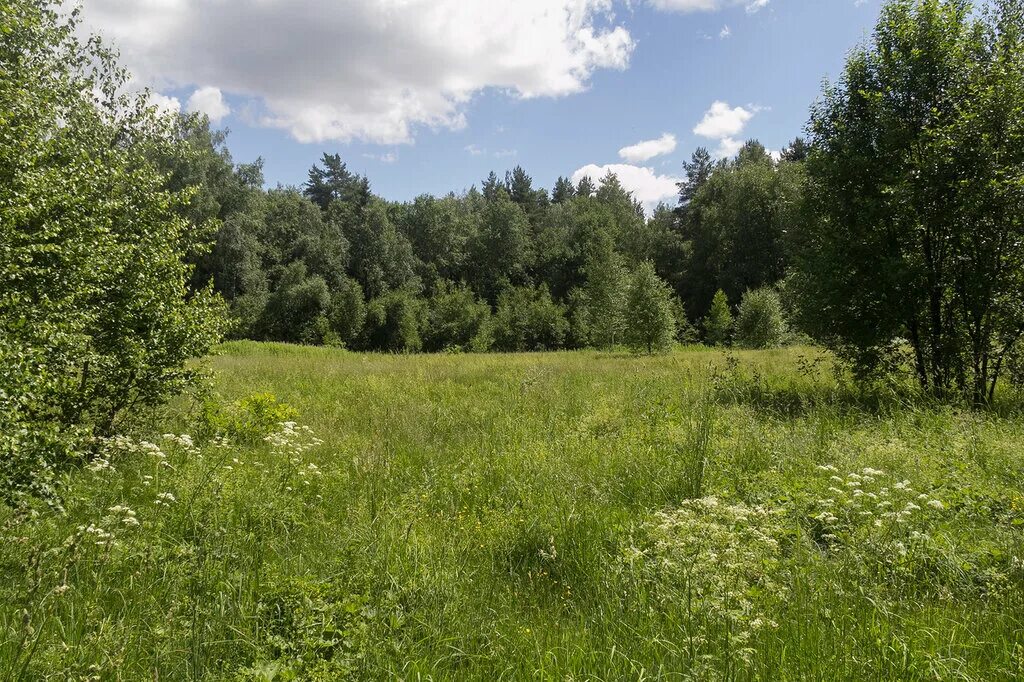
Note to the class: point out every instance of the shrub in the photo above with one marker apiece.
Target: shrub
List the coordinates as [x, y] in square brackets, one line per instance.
[685, 331]
[294, 309]
[718, 323]
[348, 311]
[95, 318]
[246, 421]
[760, 323]
[393, 323]
[527, 319]
[456, 320]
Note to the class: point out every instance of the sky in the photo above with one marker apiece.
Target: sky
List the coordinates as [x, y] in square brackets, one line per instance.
[428, 96]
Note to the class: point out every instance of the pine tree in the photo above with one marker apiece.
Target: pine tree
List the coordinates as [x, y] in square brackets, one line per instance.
[650, 324]
[586, 187]
[563, 191]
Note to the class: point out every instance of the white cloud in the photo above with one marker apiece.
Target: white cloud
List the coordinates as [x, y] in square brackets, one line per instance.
[725, 32]
[164, 104]
[721, 120]
[209, 101]
[372, 70]
[387, 157]
[648, 149]
[647, 186]
[728, 147]
[725, 124]
[477, 150]
[707, 5]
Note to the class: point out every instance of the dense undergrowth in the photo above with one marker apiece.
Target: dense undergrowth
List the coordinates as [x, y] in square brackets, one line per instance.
[558, 516]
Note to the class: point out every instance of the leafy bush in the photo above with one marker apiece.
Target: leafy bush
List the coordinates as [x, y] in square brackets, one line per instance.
[527, 319]
[348, 311]
[457, 320]
[248, 420]
[760, 323]
[95, 318]
[393, 322]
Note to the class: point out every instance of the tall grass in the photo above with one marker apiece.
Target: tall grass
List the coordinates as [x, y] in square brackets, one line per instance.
[556, 516]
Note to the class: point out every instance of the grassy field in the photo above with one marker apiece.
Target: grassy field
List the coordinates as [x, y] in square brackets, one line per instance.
[576, 516]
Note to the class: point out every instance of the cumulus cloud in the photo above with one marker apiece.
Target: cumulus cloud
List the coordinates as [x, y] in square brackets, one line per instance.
[721, 120]
[707, 5]
[648, 149]
[164, 104]
[372, 70]
[647, 186]
[209, 101]
[724, 123]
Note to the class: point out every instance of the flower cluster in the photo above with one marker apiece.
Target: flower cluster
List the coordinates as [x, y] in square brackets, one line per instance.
[721, 560]
[292, 439]
[124, 516]
[184, 441]
[865, 499]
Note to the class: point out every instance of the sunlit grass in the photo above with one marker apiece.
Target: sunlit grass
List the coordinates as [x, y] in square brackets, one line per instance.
[514, 516]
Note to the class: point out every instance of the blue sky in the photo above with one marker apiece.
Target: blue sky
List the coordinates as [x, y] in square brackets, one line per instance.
[454, 95]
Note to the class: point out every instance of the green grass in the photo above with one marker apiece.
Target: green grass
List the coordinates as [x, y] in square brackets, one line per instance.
[533, 516]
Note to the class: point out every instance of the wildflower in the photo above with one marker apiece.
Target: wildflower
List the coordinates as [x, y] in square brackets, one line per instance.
[868, 471]
[100, 464]
[166, 499]
[936, 504]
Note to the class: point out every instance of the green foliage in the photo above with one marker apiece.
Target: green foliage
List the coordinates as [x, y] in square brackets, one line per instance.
[348, 312]
[650, 322]
[95, 319]
[248, 420]
[685, 332]
[294, 310]
[500, 252]
[605, 292]
[914, 231]
[393, 322]
[718, 324]
[759, 321]
[456, 320]
[527, 319]
[733, 225]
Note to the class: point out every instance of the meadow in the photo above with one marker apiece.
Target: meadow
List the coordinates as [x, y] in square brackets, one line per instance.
[706, 515]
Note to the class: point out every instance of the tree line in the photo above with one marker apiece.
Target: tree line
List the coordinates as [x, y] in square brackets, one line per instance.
[507, 266]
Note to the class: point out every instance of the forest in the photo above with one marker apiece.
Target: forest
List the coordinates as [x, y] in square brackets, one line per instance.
[509, 266]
